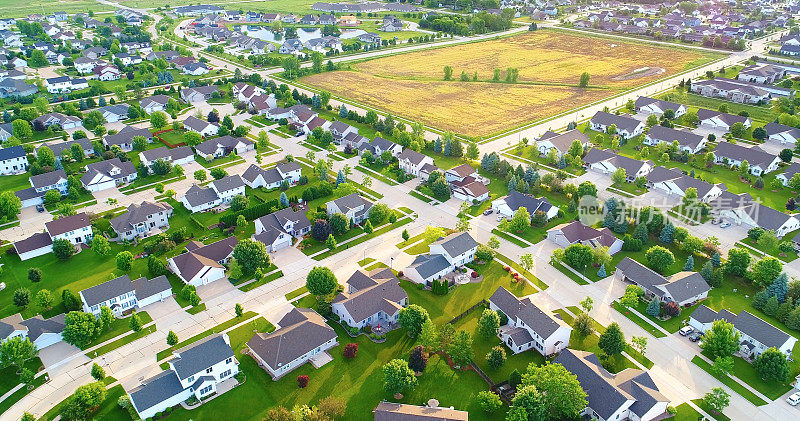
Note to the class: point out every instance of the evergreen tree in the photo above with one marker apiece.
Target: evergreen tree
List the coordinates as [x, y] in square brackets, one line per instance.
[602, 272]
[760, 300]
[708, 271]
[715, 260]
[779, 287]
[689, 264]
[437, 147]
[772, 306]
[667, 233]
[654, 308]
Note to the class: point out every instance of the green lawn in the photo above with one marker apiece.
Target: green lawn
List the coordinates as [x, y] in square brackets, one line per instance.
[774, 252]
[686, 413]
[571, 275]
[638, 320]
[613, 364]
[9, 378]
[508, 237]
[672, 324]
[123, 341]
[216, 329]
[717, 416]
[727, 381]
[758, 113]
[14, 182]
[530, 153]
[771, 389]
[119, 327]
[296, 293]
[535, 234]
[629, 189]
[442, 308]
[108, 410]
[503, 260]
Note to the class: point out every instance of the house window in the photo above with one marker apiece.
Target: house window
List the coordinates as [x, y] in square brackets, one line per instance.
[206, 389]
[190, 379]
[228, 361]
[225, 373]
[209, 370]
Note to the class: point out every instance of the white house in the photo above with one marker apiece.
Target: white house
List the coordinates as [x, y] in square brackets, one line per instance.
[411, 161]
[40, 331]
[353, 206]
[279, 229]
[627, 127]
[721, 121]
[303, 336]
[528, 326]
[121, 295]
[223, 146]
[154, 103]
[646, 105]
[218, 192]
[141, 220]
[684, 288]
[782, 133]
[200, 126]
[371, 298]
[41, 184]
[560, 142]
[256, 177]
[576, 232]
[445, 255]
[672, 181]
[181, 155]
[759, 161]
[687, 141]
[755, 334]
[108, 174]
[13, 160]
[506, 206]
[607, 162]
[194, 371]
[203, 264]
[77, 229]
[742, 209]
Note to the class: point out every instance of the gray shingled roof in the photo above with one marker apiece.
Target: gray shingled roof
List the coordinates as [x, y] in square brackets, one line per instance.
[753, 155]
[383, 295]
[457, 243]
[681, 286]
[48, 179]
[516, 200]
[198, 257]
[155, 390]
[352, 201]
[668, 135]
[199, 356]
[622, 122]
[228, 183]
[301, 330]
[428, 265]
[67, 224]
[137, 214]
[539, 321]
[108, 290]
[644, 101]
[198, 195]
[163, 152]
[564, 140]
[147, 288]
[34, 242]
[760, 330]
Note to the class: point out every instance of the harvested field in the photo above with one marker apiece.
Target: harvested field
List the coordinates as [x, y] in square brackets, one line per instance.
[549, 64]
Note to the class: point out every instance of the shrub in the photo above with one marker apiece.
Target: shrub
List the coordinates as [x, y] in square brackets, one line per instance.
[302, 381]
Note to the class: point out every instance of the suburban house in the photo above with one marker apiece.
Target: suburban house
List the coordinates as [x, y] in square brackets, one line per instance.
[255, 176]
[278, 229]
[389, 411]
[687, 141]
[198, 94]
[195, 68]
[742, 209]
[684, 288]
[576, 232]
[177, 156]
[380, 145]
[506, 206]
[13, 160]
[445, 256]
[560, 142]
[59, 120]
[202, 264]
[627, 127]
[755, 334]
[196, 370]
[674, 181]
[224, 146]
[761, 73]
[760, 161]
[740, 91]
[630, 394]
[353, 206]
[154, 103]
[139, 220]
[122, 295]
[41, 184]
[782, 133]
[788, 173]
[124, 138]
[721, 121]
[607, 162]
[63, 84]
[75, 228]
[528, 326]
[302, 336]
[115, 113]
[646, 105]
[107, 174]
[40, 331]
[411, 161]
[218, 192]
[205, 128]
[371, 298]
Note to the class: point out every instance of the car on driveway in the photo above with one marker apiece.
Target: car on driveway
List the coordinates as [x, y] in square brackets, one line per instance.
[488, 212]
[793, 399]
[39, 208]
[686, 330]
[694, 337]
[724, 225]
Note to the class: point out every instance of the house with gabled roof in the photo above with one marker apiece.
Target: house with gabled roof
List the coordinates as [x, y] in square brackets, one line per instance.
[196, 370]
[203, 264]
[370, 298]
[629, 394]
[218, 192]
[684, 288]
[58, 119]
[760, 161]
[13, 160]
[721, 121]
[353, 206]
[389, 411]
[122, 295]
[124, 138]
[40, 331]
[647, 105]
[203, 127]
[687, 141]
[40, 185]
[506, 206]
[446, 254]
[674, 181]
[279, 229]
[411, 161]
[302, 336]
[782, 133]
[108, 174]
[176, 156]
[742, 209]
[223, 146]
[560, 142]
[627, 127]
[154, 103]
[788, 173]
[576, 232]
[139, 220]
[529, 327]
[762, 73]
[378, 146]
[198, 94]
[114, 113]
[755, 334]
[607, 162]
[256, 177]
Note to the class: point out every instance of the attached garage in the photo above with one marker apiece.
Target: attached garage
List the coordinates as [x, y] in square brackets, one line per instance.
[36, 245]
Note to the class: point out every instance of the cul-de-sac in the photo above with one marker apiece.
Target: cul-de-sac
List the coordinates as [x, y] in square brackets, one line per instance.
[399, 210]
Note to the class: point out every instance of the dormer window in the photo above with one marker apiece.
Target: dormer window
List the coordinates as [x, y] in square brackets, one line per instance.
[190, 379]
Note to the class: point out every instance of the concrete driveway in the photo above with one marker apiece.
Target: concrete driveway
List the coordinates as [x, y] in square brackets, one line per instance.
[214, 289]
[163, 309]
[61, 355]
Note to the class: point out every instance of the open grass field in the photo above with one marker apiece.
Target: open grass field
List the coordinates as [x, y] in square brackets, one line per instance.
[21, 8]
[549, 63]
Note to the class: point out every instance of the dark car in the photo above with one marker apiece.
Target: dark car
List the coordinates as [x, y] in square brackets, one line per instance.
[488, 212]
[39, 208]
[694, 337]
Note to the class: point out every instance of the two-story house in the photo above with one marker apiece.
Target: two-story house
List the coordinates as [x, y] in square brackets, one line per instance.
[528, 326]
[176, 156]
[755, 334]
[445, 255]
[411, 161]
[203, 264]
[371, 298]
[40, 331]
[121, 295]
[13, 160]
[217, 193]
[279, 229]
[108, 174]
[41, 184]
[353, 206]
[139, 220]
[124, 138]
[255, 176]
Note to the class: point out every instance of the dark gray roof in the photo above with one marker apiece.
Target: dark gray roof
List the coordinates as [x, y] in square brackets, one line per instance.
[199, 356]
[67, 224]
[164, 152]
[539, 321]
[107, 290]
[428, 265]
[681, 286]
[38, 325]
[631, 166]
[622, 122]
[137, 214]
[766, 217]
[644, 101]
[59, 147]
[155, 390]
[159, 99]
[274, 222]
[352, 201]
[384, 294]
[200, 256]
[301, 330]
[34, 242]
[760, 330]
[118, 109]
[669, 135]
[564, 140]
[775, 128]
[729, 119]
[48, 179]
[457, 243]
[413, 156]
[147, 288]
[10, 324]
[516, 200]
[29, 193]
[228, 183]
[685, 285]
[227, 142]
[126, 135]
[105, 167]
[198, 195]
[753, 155]
[12, 152]
[195, 123]
[576, 231]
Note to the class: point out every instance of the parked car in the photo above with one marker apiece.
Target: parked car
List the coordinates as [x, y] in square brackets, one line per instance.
[694, 337]
[488, 212]
[794, 399]
[725, 224]
[686, 330]
[39, 208]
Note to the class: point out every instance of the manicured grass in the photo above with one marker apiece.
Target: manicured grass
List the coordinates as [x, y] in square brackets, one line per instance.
[402, 220]
[727, 381]
[20, 393]
[119, 327]
[263, 281]
[613, 364]
[535, 234]
[196, 309]
[9, 378]
[219, 162]
[756, 112]
[517, 267]
[419, 196]
[771, 389]
[571, 275]
[717, 416]
[631, 189]
[482, 346]
[296, 293]
[672, 324]
[15, 182]
[108, 410]
[686, 413]
[504, 235]
[216, 329]
[123, 341]
[638, 320]
[442, 308]
[774, 252]
[366, 261]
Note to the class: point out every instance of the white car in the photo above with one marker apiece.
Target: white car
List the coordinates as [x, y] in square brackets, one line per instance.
[793, 399]
[686, 330]
[725, 224]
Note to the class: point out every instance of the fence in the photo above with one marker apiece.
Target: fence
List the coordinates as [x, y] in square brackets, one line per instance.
[469, 310]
